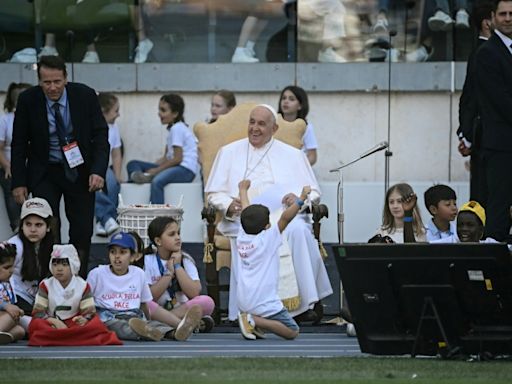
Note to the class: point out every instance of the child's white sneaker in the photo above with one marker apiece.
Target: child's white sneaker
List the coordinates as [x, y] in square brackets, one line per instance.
[142, 51]
[91, 57]
[462, 19]
[100, 229]
[329, 55]
[48, 51]
[246, 324]
[189, 322]
[441, 21]
[243, 55]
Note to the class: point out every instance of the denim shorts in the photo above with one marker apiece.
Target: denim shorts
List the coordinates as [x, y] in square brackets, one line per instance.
[283, 316]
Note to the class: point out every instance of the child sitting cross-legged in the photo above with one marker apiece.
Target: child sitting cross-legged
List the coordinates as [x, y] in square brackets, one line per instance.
[121, 293]
[64, 312]
[258, 243]
[441, 202]
[10, 313]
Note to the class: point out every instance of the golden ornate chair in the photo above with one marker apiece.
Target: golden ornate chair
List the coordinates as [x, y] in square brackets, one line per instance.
[211, 137]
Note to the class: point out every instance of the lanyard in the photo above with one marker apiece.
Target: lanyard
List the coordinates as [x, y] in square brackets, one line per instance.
[10, 293]
[173, 287]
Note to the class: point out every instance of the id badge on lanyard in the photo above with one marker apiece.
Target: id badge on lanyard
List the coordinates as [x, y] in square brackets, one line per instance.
[73, 155]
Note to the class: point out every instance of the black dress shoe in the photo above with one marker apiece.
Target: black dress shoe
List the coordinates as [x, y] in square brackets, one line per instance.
[308, 316]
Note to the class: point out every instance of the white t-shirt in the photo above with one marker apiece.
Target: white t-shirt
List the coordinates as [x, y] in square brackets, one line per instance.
[398, 235]
[6, 123]
[119, 293]
[25, 289]
[181, 136]
[153, 275]
[309, 138]
[258, 272]
[114, 137]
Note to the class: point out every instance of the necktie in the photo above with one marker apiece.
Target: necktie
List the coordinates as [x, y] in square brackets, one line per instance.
[71, 174]
[59, 124]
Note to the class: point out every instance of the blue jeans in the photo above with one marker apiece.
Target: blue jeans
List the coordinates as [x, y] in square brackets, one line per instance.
[13, 209]
[177, 174]
[444, 5]
[106, 203]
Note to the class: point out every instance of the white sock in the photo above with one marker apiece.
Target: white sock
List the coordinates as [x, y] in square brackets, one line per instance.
[250, 44]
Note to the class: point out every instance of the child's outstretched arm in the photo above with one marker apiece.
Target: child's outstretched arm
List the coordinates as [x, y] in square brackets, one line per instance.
[408, 204]
[292, 210]
[243, 187]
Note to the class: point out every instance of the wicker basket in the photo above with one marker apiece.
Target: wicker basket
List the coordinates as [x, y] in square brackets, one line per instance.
[137, 217]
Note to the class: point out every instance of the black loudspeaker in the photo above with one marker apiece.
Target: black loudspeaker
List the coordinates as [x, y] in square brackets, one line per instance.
[429, 299]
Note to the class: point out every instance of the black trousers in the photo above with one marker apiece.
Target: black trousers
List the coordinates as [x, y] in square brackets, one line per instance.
[79, 208]
[497, 176]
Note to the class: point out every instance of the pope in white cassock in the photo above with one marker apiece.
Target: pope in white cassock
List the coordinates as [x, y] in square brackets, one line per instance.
[277, 172]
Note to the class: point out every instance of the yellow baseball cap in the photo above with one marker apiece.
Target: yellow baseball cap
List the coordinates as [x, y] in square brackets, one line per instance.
[476, 208]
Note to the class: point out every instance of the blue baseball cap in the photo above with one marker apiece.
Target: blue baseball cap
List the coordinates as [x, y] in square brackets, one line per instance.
[123, 240]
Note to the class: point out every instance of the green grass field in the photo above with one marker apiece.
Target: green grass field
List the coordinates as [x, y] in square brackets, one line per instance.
[248, 370]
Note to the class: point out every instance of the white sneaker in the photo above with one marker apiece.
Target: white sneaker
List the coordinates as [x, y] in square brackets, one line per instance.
[381, 26]
[142, 51]
[91, 57]
[419, 55]
[329, 55]
[48, 51]
[462, 19]
[392, 53]
[100, 229]
[440, 21]
[111, 226]
[351, 330]
[243, 55]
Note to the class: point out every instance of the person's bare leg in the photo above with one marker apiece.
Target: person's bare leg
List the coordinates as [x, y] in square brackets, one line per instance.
[49, 40]
[6, 322]
[17, 332]
[248, 27]
[276, 327]
[164, 316]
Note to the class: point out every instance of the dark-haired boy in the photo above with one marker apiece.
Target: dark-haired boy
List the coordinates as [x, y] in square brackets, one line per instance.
[258, 243]
[441, 202]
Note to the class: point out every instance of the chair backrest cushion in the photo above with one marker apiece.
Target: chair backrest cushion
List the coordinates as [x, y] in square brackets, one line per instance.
[232, 127]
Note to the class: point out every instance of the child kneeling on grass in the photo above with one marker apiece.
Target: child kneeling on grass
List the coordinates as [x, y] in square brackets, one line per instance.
[258, 269]
[121, 293]
[64, 312]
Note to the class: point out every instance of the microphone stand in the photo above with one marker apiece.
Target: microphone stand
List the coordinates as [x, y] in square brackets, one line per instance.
[339, 170]
[388, 153]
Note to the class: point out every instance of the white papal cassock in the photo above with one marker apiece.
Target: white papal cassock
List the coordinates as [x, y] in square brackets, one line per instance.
[274, 170]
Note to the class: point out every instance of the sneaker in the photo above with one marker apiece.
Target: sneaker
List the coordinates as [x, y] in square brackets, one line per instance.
[141, 328]
[392, 53]
[206, 324]
[259, 333]
[462, 19]
[380, 26]
[246, 324]
[139, 177]
[419, 55]
[189, 322]
[111, 226]
[48, 51]
[351, 330]
[329, 55]
[6, 338]
[243, 55]
[440, 21]
[142, 51]
[91, 57]
[100, 229]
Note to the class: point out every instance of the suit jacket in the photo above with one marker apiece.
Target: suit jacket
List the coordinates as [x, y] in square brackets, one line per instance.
[469, 115]
[30, 141]
[494, 88]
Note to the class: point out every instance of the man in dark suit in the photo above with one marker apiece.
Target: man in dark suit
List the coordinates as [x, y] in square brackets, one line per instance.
[60, 148]
[470, 129]
[494, 88]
